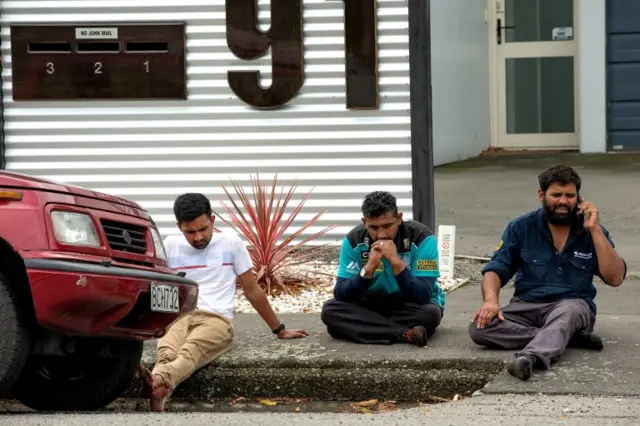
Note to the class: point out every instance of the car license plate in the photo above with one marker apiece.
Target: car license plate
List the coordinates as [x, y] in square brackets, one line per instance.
[164, 298]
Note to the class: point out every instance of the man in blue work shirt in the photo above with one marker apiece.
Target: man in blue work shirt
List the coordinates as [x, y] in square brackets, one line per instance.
[387, 283]
[554, 253]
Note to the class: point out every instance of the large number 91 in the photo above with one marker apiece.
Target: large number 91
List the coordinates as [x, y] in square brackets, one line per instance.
[285, 40]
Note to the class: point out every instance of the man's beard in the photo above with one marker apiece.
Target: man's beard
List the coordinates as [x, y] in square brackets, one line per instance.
[204, 245]
[560, 219]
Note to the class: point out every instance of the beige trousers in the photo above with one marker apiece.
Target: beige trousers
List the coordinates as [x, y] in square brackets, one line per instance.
[193, 341]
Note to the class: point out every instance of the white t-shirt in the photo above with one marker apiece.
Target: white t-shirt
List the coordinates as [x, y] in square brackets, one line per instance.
[214, 268]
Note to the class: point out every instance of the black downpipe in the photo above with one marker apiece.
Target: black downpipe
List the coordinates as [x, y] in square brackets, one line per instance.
[421, 115]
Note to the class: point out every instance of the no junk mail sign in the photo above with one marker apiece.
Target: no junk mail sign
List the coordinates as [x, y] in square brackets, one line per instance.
[285, 39]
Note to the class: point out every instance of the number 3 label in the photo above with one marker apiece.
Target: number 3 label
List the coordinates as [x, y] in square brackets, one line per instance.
[50, 68]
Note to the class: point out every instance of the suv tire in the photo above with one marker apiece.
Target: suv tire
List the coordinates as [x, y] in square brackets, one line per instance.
[77, 382]
[14, 336]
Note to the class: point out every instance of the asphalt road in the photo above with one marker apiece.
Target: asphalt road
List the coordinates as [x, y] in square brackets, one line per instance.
[486, 409]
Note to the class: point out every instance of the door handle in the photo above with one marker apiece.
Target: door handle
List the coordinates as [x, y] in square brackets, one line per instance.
[499, 28]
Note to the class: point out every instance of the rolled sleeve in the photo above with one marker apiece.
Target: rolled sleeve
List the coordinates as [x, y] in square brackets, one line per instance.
[606, 234]
[506, 259]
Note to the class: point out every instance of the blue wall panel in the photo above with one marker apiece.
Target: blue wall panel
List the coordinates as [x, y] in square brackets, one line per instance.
[623, 74]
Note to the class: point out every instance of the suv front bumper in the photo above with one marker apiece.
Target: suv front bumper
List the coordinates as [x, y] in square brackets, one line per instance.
[98, 300]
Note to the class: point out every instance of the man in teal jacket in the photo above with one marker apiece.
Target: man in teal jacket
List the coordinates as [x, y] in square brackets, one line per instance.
[387, 283]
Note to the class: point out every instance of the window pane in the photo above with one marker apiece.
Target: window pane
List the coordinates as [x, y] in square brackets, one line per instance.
[540, 95]
[534, 20]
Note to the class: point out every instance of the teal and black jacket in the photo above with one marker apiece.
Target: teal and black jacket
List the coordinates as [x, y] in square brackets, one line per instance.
[417, 283]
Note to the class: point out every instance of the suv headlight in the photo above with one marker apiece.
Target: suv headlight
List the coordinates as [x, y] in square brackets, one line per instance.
[158, 244]
[74, 228]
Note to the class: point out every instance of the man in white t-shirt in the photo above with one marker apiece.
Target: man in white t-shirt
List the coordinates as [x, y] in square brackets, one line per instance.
[215, 261]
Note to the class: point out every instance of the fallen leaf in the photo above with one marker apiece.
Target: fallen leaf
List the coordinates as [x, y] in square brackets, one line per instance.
[427, 411]
[457, 397]
[236, 400]
[368, 403]
[297, 409]
[387, 406]
[364, 410]
[268, 402]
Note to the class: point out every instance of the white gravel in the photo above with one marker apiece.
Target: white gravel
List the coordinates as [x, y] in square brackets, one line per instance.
[311, 301]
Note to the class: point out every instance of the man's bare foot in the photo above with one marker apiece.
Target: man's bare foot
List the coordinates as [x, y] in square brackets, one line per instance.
[147, 381]
[161, 391]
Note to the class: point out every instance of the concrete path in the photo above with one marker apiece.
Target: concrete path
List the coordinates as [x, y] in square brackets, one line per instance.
[613, 371]
[480, 196]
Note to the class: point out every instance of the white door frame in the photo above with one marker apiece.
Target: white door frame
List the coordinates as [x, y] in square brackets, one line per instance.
[497, 83]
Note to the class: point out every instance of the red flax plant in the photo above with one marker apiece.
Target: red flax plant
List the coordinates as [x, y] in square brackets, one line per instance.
[263, 226]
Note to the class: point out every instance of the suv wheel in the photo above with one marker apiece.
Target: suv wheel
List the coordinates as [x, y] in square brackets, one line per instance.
[14, 336]
[78, 382]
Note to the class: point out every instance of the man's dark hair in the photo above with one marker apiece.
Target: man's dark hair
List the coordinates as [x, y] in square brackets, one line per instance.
[191, 206]
[378, 203]
[561, 174]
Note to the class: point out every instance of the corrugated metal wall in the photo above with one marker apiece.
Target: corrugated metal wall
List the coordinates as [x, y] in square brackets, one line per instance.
[151, 151]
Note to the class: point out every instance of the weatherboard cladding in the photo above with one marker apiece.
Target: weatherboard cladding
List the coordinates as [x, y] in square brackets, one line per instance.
[152, 151]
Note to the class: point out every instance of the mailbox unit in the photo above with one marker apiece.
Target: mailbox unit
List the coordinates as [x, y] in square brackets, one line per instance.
[108, 61]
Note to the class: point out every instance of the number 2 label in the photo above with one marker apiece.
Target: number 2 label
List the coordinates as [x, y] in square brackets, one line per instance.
[97, 68]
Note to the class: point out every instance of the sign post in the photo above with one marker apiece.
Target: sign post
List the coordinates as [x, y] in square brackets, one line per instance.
[446, 250]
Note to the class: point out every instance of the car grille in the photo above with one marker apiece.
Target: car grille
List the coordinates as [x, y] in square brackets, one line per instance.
[125, 236]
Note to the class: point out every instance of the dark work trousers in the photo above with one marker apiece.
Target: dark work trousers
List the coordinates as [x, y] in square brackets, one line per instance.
[378, 321]
[539, 329]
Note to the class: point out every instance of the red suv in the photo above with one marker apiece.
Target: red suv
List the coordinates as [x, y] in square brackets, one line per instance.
[83, 282]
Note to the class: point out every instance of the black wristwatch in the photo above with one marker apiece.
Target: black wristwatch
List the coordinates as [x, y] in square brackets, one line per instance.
[279, 329]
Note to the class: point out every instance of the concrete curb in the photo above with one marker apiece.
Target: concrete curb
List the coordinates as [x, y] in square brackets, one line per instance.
[320, 367]
[401, 380]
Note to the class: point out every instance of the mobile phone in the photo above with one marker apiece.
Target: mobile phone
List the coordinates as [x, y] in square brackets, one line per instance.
[580, 215]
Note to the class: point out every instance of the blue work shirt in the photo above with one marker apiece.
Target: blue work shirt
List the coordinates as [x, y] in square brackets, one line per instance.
[542, 274]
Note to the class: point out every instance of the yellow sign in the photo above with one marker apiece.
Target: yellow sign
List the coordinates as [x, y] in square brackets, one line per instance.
[427, 265]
